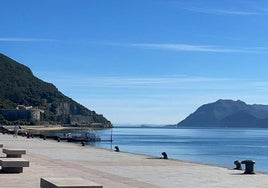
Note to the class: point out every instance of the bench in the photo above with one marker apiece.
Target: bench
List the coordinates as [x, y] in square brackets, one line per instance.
[67, 182]
[14, 153]
[13, 165]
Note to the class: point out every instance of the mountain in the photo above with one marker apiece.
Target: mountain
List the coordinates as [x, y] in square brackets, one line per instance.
[22, 92]
[227, 113]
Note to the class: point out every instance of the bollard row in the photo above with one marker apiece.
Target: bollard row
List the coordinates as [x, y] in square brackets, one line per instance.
[249, 166]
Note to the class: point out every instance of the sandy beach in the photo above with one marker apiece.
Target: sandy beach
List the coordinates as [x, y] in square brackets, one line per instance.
[49, 158]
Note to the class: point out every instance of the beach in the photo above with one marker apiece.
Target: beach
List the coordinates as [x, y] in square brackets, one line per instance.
[49, 158]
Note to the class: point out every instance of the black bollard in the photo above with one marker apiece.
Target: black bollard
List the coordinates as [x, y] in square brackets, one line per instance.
[58, 139]
[116, 149]
[44, 137]
[164, 155]
[237, 165]
[249, 166]
[82, 143]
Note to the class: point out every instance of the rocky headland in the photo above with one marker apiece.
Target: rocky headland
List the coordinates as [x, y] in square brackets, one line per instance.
[28, 100]
[227, 113]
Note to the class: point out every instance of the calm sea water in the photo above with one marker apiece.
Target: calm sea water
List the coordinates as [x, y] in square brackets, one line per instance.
[220, 146]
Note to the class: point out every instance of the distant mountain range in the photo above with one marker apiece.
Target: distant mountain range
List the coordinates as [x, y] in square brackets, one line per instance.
[20, 88]
[227, 113]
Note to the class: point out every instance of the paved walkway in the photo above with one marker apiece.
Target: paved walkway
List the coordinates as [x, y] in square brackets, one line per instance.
[49, 158]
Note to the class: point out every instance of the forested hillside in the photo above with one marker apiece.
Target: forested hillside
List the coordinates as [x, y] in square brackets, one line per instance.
[18, 86]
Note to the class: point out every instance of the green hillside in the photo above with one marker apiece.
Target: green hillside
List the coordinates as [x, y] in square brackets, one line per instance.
[18, 86]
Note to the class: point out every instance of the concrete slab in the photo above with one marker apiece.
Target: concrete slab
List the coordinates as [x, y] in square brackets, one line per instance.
[14, 153]
[67, 182]
[13, 165]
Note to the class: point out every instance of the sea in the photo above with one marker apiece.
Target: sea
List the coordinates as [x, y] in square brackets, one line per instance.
[216, 146]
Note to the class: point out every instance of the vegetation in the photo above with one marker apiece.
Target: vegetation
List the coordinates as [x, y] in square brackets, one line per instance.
[20, 87]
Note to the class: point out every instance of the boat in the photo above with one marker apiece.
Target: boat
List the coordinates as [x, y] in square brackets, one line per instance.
[89, 136]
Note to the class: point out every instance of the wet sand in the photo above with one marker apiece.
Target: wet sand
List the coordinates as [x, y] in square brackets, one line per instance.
[49, 158]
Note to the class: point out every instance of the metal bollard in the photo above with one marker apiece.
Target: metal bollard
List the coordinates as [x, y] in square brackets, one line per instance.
[164, 155]
[83, 143]
[116, 149]
[237, 165]
[249, 166]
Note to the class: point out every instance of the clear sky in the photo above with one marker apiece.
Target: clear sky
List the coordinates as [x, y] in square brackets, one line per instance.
[142, 61]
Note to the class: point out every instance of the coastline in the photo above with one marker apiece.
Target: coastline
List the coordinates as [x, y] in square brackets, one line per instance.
[41, 131]
[230, 167]
[49, 158]
[30, 128]
[37, 128]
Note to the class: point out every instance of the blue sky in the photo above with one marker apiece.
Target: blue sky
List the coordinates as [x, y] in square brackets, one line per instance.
[142, 61]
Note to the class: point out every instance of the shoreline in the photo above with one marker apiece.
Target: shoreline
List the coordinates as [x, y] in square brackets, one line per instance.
[60, 127]
[118, 169]
[36, 129]
[43, 127]
[178, 160]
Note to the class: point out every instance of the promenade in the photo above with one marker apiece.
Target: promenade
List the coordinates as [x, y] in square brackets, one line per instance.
[49, 158]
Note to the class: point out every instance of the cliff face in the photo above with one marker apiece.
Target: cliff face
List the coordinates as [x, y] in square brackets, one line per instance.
[228, 113]
[20, 87]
